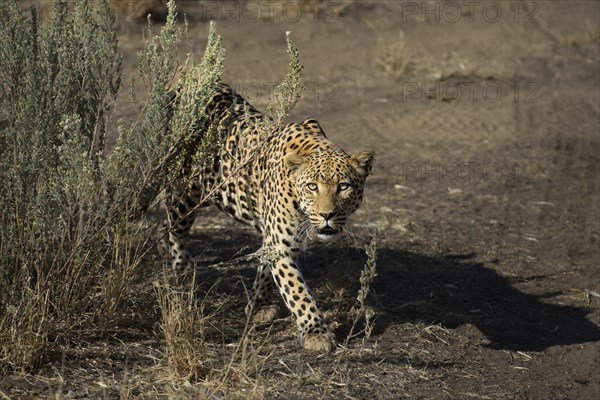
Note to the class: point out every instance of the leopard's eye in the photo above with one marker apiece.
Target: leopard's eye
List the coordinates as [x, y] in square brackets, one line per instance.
[312, 187]
[343, 186]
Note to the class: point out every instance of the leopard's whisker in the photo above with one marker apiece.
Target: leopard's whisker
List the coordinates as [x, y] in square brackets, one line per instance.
[351, 237]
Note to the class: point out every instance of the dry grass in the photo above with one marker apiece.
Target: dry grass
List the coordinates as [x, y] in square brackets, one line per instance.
[395, 57]
[409, 61]
[27, 331]
[182, 326]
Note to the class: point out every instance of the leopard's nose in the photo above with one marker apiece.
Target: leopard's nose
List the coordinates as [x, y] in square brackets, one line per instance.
[328, 215]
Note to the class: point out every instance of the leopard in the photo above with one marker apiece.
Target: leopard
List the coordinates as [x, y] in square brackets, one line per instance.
[290, 183]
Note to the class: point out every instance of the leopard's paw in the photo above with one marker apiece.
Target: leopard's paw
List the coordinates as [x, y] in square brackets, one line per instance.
[321, 342]
[265, 314]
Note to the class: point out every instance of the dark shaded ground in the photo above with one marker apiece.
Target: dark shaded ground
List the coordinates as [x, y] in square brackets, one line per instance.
[488, 208]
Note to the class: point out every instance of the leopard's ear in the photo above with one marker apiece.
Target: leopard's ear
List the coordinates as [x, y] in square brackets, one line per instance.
[314, 126]
[294, 161]
[363, 161]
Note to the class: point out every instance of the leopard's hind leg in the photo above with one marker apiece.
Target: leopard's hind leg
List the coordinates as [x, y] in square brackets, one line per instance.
[181, 212]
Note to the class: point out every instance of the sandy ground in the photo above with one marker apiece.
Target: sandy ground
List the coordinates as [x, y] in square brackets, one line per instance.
[485, 194]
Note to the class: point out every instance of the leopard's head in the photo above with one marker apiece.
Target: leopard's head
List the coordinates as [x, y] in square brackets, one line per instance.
[329, 185]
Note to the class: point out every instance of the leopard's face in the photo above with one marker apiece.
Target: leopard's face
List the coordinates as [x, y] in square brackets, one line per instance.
[330, 187]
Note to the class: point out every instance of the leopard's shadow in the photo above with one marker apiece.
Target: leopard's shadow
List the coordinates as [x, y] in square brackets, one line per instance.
[412, 287]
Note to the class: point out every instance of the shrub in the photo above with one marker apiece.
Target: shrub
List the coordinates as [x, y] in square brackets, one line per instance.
[68, 240]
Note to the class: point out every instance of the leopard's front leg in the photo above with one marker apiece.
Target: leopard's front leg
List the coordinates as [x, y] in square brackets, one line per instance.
[261, 307]
[313, 330]
[281, 221]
